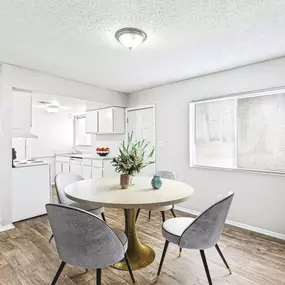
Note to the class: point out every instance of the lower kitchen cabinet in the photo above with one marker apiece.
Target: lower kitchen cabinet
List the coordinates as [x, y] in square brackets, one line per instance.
[76, 168]
[86, 167]
[65, 167]
[97, 173]
[58, 167]
[31, 191]
[86, 172]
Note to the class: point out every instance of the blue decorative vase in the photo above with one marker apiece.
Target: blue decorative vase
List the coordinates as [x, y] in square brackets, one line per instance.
[156, 182]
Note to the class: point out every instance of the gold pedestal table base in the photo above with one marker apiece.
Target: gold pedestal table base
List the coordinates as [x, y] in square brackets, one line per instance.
[139, 255]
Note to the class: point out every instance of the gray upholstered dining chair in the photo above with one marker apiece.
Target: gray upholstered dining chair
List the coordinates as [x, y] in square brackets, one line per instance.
[166, 174]
[61, 181]
[201, 233]
[84, 240]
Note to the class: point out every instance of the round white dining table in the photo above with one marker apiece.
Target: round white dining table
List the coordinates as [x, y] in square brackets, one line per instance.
[106, 192]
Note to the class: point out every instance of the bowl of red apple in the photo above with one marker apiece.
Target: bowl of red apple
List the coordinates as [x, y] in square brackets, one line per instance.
[102, 151]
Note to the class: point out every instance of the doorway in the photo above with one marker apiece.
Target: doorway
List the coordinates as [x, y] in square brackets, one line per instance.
[141, 121]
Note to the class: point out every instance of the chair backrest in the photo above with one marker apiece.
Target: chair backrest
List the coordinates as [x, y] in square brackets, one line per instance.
[61, 181]
[206, 229]
[82, 239]
[166, 174]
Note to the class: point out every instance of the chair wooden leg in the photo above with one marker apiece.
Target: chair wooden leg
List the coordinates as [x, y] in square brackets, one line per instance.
[103, 217]
[130, 269]
[137, 215]
[58, 273]
[149, 215]
[50, 238]
[173, 213]
[223, 258]
[163, 256]
[206, 266]
[98, 276]
[163, 216]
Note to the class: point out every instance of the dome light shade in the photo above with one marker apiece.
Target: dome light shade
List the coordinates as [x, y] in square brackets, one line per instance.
[130, 38]
[53, 107]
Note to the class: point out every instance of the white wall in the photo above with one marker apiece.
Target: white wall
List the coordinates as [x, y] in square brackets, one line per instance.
[55, 135]
[12, 76]
[112, 141]
[5, 148]
[40, 82]
[54, 131]
[260, 198]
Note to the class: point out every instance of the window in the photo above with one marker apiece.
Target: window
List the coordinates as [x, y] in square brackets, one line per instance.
[240, 132]
[80, 136]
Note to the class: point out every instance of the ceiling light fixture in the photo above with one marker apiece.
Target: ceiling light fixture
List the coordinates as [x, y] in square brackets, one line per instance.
[53, 107]
[130, 38]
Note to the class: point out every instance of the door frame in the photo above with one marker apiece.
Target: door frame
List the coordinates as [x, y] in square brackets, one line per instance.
[142, 107]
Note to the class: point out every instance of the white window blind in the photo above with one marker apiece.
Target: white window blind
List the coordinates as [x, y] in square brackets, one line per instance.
[214, 138]
[261, 133]
[243, 132]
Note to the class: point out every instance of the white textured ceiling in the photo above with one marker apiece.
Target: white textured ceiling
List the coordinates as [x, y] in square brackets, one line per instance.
[186, 38]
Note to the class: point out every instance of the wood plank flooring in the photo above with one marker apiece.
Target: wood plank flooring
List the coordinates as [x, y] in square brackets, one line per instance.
[26, 257]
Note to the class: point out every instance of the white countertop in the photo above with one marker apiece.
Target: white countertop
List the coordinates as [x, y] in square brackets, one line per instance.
[19, 164]
[85, 155]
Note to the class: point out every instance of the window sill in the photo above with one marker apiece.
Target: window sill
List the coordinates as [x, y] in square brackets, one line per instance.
[254, 171]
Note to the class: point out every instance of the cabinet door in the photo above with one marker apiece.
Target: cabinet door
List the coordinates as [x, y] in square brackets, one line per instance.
[96, 173]
[65, 167]
[76, 168]
[86, 172]
[58, 167]
[51, 162]
[92, 122]
[22, 110]
[109, 169]
[106, 124]
[119, 120]
[31, 190]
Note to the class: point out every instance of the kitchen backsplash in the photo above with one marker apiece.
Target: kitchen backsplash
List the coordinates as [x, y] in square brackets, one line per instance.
[111, 141]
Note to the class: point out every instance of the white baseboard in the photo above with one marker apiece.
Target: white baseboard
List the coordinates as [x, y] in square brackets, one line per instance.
[239, 225]
[6, 228]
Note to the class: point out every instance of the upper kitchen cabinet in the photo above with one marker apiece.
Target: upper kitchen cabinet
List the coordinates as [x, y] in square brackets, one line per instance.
[106, 121]
[22, 110]
[92, 122]
[22, 114]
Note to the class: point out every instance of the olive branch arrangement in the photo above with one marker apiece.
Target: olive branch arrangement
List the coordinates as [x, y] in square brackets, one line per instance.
[133, 156]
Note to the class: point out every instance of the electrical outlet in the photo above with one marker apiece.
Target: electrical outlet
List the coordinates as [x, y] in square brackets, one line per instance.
[160, 143]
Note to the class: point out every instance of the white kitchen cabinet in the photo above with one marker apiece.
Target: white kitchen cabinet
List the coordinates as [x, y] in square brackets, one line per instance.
[106, 121]
[97, 173]
[58, 167]
[109, 169]
[51, 162]
[76, 166]
[111, 120]
[92, 122]
[106, 124]
[86, 172]
[88, 168]
[22, 110]
[65, 167]
[61, 164]
[31, 191]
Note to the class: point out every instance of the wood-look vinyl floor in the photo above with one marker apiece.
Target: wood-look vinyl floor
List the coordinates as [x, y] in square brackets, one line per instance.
[26, 257]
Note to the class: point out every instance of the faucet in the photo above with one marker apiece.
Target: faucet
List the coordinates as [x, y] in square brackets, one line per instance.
[77, 151]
